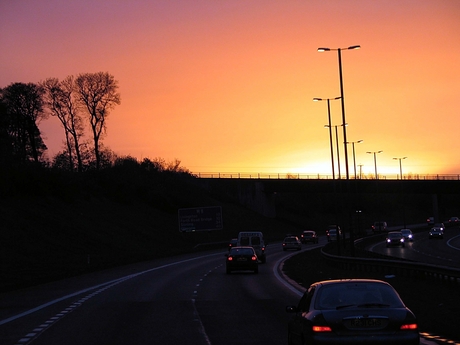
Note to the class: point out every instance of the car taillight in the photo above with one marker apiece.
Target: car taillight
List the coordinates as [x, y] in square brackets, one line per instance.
[410, 326]
[254, 258]
[230, 258]
[321, 329]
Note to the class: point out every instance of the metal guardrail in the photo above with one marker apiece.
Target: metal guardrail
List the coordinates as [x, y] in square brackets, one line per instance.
[298, 176]
[394, 266]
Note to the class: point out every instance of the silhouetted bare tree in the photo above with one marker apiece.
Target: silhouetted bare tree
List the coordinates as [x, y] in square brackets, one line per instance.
[62, 101]
[98, 93]
[24, 110]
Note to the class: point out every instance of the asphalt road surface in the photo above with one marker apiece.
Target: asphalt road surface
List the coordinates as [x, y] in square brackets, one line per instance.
[182, 300]
[443, 252]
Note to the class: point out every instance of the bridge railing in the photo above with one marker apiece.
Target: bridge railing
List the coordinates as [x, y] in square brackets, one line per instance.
[304, 176]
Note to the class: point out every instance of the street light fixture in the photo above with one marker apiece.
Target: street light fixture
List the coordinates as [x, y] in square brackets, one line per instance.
[330, 127]
[375, 162]
[400, 166]
[337, 143]
[354, 157]
[339, 50]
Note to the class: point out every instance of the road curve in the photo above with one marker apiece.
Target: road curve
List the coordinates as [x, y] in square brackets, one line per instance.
[443, 252]
[181, 300]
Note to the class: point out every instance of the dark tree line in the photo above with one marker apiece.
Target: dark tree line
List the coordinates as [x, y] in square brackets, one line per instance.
[80, 103]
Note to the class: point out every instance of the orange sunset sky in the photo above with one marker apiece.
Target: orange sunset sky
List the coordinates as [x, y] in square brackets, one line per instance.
[228, 85]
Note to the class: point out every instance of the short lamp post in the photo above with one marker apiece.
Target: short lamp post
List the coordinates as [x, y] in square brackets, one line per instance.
[330, 128]
[339, 50]
[354, 156]
[400, 166]
[375, 161]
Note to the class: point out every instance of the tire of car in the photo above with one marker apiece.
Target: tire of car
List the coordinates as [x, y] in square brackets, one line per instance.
[229, 271]
[256, 270]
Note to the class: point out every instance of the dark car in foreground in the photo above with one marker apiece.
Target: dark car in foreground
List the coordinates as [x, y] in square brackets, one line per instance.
[309, 236]
[352, 311]
[395, 238]
[242, 259]
[435, 233]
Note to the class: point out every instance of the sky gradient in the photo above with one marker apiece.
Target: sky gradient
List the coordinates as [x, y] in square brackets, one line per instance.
[228, 86]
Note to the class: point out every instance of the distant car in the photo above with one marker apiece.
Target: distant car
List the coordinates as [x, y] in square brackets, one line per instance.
[351, 311]
[454, 220]
[241, 259]
[430, 220]
[435, 233]
[309, 236]
[395, 238]
[233, 242]
[331, 233]
[407, 234]
[379, 227]
[292, 242]
[440, 226]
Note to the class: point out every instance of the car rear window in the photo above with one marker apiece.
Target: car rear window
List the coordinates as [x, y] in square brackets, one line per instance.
[242, 251]
[355, 294]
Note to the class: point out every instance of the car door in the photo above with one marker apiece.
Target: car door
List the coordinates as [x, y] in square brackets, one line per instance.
[299, 324]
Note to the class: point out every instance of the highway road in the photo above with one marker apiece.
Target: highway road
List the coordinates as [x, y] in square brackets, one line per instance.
[443, 252]
[181, 300]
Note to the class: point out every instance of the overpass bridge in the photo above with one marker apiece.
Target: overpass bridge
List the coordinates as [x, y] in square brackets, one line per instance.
[437, 198]
[273, 185]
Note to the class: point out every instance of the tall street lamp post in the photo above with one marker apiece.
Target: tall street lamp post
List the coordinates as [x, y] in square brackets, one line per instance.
[337, 143]
[339, 50]
[400, 166]
[354, 156]
[330, 128]
[375, 162]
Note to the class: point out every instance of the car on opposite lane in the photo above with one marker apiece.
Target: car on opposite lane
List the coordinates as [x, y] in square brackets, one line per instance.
[291, 242]
[352, 311]
[435, 233]
[242, 259]
[309, 236]
[408, 235]
[395, 238]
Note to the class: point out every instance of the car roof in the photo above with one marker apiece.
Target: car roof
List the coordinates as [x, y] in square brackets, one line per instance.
[352, 280]
[242, 247]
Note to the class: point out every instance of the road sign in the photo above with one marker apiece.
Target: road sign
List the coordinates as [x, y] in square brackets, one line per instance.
[200, 219]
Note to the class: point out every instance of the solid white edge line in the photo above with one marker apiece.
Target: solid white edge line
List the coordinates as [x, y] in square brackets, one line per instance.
[33, 310]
